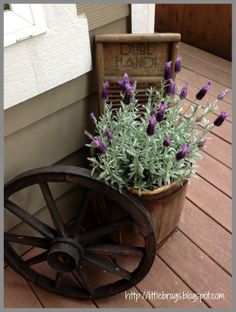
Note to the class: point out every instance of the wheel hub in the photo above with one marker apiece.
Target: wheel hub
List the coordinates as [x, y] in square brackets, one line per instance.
[65, 254]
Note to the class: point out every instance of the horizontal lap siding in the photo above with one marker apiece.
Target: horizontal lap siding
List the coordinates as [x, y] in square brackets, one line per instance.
[48, 128]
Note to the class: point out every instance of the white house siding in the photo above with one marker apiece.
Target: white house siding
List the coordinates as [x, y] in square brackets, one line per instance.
[49, 128]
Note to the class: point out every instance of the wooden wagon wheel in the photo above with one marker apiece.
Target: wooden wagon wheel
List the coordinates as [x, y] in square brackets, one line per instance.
[69, 251]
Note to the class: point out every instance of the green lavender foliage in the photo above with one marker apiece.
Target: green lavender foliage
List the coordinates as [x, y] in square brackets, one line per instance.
[136, 160]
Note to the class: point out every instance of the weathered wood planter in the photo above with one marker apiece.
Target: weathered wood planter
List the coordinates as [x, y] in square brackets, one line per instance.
[164, 204]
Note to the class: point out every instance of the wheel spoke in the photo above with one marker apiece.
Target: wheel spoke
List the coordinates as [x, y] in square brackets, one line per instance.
[35, 260]
[81, 212]
[112, 249]
[58, 279]
[82, 278]
[108, 266]
[39, 226]
[27, 240]
[56, 217]
[104, 230]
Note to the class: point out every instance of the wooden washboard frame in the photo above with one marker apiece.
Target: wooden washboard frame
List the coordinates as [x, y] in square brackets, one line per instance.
[142, 56]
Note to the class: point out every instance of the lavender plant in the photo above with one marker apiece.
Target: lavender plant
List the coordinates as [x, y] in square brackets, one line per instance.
[158, 146]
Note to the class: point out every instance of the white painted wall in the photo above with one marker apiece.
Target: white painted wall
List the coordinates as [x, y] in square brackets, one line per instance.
[143, 18]
[38, 64]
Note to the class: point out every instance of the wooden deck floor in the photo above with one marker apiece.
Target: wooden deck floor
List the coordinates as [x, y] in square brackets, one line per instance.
[197, 259]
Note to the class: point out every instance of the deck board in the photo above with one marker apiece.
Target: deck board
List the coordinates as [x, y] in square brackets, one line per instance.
[197, 258]
[216, 173]
[213, 202]
[208, 235]
[208, 71]
[197, 269]
[219, 149]
[222, 105]
[198, 81]
[162, 279]
[206, 57]
[17, 293]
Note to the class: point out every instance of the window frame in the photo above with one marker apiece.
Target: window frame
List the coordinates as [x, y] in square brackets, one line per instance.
[61, 54]
[22, 22]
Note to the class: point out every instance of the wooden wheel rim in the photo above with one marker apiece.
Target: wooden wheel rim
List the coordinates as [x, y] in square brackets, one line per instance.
[128, 202]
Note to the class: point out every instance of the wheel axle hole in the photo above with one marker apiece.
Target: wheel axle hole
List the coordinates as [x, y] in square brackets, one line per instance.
[63, 259]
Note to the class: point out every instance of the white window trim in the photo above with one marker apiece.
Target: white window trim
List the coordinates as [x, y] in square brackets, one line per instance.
[38, 64]
[143, 18]
[23, 21]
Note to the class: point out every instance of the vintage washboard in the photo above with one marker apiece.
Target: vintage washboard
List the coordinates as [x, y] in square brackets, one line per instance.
[142, 56]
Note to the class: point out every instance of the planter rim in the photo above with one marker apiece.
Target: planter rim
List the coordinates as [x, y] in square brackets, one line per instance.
[169, 187]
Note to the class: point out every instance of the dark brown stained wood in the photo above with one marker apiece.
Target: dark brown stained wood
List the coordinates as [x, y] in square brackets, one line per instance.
[54, 212]
[104, 230]
[191, 95]
[162, 279]
[113, 249]
[65, 252]
[27, 240]
[50, 299]
[194, 267]
[174, 17]
[198, 25]
[142, 56]
[119, 300]
[41, 227]
[216, 173]
[17, 293]
[208, 235]
[108, 266]
[198, 81]
[213, 202]
[35, 260]
[208, 58]
[214, 74]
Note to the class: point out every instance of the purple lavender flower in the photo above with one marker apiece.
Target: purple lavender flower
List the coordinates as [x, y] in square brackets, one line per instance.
[171, 88]
[108, 133]
[151, 125]
[184, 152]
[167, 142]
[124, 81]
[128, 93]
[88, 134]
[167, 73]
[93, 118]
[127, 88]
[159, 115]
[105, 90]
[201, 93]
[163, 106]
[201, 143]
[97, 142]
[222, 94]
[220, 119]
[183, 91]
[178, 64]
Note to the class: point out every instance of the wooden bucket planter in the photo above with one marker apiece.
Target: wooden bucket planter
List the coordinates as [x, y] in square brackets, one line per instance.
[164, 204]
